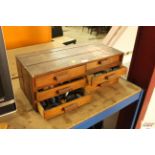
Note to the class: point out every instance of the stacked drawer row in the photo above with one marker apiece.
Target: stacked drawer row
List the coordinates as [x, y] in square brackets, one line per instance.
[67, 88]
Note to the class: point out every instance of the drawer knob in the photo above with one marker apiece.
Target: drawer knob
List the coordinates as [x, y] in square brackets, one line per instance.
[103, 62]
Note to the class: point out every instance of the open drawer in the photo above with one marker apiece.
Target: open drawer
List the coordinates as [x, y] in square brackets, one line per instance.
[45, 94]
[105, 78]
[102, 64]
[64, 107]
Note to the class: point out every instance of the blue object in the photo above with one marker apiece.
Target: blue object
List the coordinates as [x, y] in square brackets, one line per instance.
[135, 99]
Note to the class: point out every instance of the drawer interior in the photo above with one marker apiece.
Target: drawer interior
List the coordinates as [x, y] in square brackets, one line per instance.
[105, 77]
[103, 64]
[63, 103]
[60, 89]
[58, 100]
[69, 95]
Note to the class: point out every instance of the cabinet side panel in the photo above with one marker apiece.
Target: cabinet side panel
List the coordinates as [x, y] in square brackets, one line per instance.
[20, 75]
[26, 82]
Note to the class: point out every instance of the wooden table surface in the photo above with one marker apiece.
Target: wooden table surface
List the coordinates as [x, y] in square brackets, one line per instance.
[105, 98]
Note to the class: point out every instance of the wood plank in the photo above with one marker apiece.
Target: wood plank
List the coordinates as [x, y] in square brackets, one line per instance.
[113, 35]
[35, 50]
[36, 63]
[67, 62]
[105, 98]
[57, 49]
[24, 50]
[54, 54]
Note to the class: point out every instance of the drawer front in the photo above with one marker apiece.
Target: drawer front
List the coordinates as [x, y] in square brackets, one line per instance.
[92, 88]
[104, 63]
[59, 77]
[108, 76]
[40, 96]
[66, 107]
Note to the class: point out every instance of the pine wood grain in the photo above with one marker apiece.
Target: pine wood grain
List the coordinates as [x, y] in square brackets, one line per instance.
[25, 50]
[63, 58]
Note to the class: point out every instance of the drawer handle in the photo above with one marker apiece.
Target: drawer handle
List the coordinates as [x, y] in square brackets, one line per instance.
[63, 91]
[70, 107]
[103, 62]
[113, 76]
[60, 78]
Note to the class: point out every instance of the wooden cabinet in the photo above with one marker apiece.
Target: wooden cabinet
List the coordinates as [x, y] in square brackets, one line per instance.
[61, 80]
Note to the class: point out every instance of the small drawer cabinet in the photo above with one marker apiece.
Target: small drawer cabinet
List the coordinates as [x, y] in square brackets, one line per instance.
[60, 80]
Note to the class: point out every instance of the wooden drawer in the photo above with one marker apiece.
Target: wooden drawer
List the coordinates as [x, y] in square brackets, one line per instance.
[43, 95]
[92, 88]
[103, 64]
[97, 80]
[104, 79]
[59, 77]
[65, 107]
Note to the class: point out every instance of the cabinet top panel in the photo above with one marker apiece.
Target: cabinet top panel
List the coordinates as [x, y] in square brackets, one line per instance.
[47, 61]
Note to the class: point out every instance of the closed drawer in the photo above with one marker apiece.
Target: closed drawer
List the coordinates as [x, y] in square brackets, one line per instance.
[103, 64]
[59, 77]
[45, 94]
[105, 78]
[65, 107]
